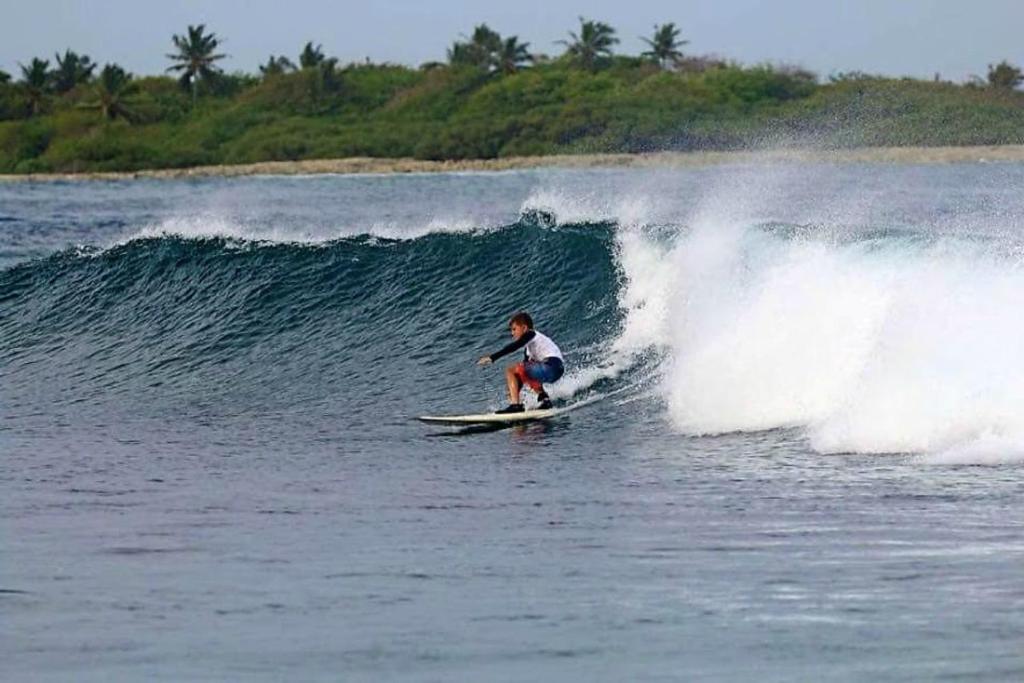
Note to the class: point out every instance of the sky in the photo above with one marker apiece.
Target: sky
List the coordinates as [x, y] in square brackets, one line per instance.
[919, 38]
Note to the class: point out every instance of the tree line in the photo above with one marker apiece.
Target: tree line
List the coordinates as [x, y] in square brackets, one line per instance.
[491, 96]
[195, 58]
[196, 55]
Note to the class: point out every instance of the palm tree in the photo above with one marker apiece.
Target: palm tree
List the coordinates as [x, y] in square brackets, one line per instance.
[594, 41]
[461, 54]
[665, 45]
[35, 79]
[195, 58]
[109, 89]
[311, 56]
[1004, 76]
[276, 66]
[481, 50]
[319, 72]
[71, 70]
[512, 55]
[485, 40]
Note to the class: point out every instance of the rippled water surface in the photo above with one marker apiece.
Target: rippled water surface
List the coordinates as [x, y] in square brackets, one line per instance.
[795, 452]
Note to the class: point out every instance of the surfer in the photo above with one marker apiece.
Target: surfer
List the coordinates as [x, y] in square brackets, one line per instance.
[542, 363]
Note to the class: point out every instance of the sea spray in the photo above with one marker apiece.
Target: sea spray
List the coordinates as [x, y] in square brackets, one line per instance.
[885, 345]
[946, 367]
[777, 299]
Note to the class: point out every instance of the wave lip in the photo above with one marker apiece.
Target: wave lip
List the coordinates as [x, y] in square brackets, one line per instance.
[212, 226]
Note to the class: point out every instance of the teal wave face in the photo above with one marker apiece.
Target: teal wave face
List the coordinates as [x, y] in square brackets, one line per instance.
[156, 323]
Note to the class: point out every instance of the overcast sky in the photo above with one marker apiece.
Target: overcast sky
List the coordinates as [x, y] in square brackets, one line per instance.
[955, 38]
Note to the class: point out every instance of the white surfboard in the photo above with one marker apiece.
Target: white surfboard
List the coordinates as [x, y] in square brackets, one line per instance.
[492, 418]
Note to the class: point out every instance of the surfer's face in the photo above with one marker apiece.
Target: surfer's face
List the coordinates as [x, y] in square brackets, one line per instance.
[517, 330]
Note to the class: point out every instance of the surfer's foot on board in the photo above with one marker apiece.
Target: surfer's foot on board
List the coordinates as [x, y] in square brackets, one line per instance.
[543, 401]
[511, 408]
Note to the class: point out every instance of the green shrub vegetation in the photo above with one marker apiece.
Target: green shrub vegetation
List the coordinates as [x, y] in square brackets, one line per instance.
[491, 99]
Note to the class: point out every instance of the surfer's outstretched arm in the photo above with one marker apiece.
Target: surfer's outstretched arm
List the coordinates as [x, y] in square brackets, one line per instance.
[511, 347]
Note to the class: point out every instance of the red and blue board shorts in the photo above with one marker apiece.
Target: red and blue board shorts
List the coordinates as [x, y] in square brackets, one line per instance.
[535, 374]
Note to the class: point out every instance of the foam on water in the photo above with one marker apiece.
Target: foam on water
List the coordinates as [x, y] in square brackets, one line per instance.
[871, 349]
[870, 340]
[986, 449]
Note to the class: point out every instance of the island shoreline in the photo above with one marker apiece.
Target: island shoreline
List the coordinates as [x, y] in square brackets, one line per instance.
[388, 166]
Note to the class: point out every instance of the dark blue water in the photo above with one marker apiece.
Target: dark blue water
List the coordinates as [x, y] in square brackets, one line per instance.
[795, 452]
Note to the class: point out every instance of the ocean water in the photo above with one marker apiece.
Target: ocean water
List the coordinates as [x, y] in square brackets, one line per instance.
[796, 453]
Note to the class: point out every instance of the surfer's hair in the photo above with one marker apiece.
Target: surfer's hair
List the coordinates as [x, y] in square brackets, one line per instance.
[521, 318]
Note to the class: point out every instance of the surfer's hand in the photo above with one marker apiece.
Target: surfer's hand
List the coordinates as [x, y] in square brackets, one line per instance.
[484, 360]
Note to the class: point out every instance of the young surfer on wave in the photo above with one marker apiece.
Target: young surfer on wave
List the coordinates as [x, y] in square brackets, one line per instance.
[542, 363]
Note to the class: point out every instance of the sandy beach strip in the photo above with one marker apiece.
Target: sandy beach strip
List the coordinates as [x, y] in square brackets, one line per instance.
[894, 155]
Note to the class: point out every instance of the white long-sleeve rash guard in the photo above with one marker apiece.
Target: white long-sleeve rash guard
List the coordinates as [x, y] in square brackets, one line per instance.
[539, 347]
